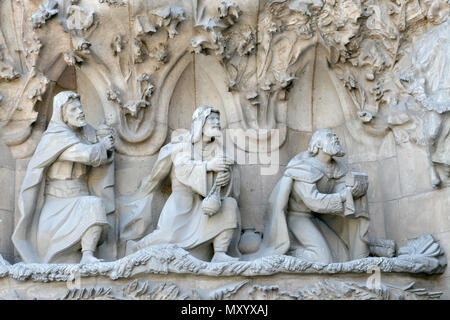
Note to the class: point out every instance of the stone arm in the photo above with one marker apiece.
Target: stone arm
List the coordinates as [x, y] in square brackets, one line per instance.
[340, 185]
[89, 154]
[319, 202]
[357, 189]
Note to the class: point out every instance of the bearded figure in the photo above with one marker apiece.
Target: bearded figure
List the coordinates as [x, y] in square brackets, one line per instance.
[201, 211]
[68, 190]
[318, 210]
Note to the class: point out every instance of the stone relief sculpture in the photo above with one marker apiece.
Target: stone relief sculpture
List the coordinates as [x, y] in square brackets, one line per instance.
[318, 210]
[201, 208]
[428, 81]
[67, 190]
[132, 60]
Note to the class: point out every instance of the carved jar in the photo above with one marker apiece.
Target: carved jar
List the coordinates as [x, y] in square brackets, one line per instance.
[250, 240]
[211, 204]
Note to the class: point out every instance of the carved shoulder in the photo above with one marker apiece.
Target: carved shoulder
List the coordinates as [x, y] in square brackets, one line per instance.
[304, 173]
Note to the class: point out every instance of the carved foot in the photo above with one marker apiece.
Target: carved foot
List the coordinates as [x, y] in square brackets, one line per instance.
[88, 257]
[222, 257]
[435, 181]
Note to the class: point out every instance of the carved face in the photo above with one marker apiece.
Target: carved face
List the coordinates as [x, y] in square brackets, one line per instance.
[212, 125]
[73, 114]
[332, 146]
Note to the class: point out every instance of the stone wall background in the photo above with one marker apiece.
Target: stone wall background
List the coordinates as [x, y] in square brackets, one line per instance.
[403, 204]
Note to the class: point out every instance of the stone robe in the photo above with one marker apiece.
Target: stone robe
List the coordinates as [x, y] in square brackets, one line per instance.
[62, 196]
[431, 62]
[309, 190]
[182, 220]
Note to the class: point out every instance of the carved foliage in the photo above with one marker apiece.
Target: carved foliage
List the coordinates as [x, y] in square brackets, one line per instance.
[134, 111]
[23, 82]
[79, 19]
[342, 289]
[169, 18]
[329, 289]
[424, 246]
[114, 3]
[166, 18]
[7, 71]
[79, 23]
[45, 12]
[135, 290]
[424, 256]
[365, 41]
[286, 29]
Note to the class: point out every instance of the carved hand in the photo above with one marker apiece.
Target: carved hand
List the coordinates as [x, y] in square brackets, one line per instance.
[219, 164]
[108, 142]
[343, 194]
[359, 189]
[223, 178]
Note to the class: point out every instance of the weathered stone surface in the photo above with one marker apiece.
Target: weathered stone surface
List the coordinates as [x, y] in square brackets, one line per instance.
[422, 255]
[155, 288]
[374, 72]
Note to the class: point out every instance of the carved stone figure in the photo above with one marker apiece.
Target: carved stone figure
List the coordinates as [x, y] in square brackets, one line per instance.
[201, 208]
[67, 190]
[318, 210]
[376, 71]
[429, 83]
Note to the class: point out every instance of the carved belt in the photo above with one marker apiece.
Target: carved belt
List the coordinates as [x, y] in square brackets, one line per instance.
[66, 188]
[299, 213]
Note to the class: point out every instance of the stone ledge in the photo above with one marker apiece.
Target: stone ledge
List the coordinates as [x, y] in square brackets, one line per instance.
[422, 255]
[170, 272]
[195, 287]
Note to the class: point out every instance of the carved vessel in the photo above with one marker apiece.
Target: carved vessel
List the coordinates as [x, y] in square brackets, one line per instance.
[250, 240]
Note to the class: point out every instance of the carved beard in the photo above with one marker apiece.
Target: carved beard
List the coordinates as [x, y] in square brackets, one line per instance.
[77, 122]
[333, 149]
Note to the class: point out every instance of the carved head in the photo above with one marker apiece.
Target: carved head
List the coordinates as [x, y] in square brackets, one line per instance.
[327, 141]
[67, 108]
[211, 128]
[205, 122]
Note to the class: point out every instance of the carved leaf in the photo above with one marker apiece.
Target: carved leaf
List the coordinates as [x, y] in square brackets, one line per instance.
[73, 59]
[7, 72]
[79, 19]
[143, 291]
[422, 246]
[143, 25]
[133, 108]
[100, 293]
[114, 95]
[46, 12]
[114, 2]
[227, 291]
[169, 18]
[342, 290]
[271, 293]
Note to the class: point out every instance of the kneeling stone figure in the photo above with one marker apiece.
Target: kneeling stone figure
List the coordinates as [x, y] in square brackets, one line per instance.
[318, 211]
[201, 174]
[67, 191]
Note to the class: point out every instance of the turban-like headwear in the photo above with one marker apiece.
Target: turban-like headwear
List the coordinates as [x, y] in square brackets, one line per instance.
[198, 121]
